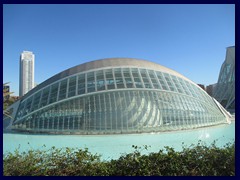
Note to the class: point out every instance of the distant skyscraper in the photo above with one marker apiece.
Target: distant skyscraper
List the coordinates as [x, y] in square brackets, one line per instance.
[26, 72]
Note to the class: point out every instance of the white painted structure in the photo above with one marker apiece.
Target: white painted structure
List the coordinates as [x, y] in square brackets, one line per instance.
[224, 91]
[26, 80]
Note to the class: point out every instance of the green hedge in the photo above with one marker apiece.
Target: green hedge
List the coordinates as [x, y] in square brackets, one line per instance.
[197, 160]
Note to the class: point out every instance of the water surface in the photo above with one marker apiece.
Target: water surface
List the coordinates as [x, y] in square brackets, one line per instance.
[113, 146]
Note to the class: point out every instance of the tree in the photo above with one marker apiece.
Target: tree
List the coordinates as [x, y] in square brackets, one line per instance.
[7, 101]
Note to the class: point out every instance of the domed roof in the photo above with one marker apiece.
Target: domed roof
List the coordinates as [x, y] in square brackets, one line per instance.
[104, 63]
[120, 62]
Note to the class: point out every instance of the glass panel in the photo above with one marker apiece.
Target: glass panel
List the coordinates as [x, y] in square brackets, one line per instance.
[109, 79]
[90, 82]
[136, 77]
[162, 80]
[36, 100]
[135, 72]
[177, 84]
[108, 73]
[72, 86]
[100, 80]
[44, 99]
[128, 79]
[81, 84]
[151, 74]
[189, 86]
[184, 86]
[145, 79]
[154, 80]
[53, 93]
[126, 72]
[143, 73]
[169, 82]
[27, 106]
[118, 78]
[129, 82]
[63, 90]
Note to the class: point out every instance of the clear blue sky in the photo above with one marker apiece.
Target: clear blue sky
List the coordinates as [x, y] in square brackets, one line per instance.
[190, 39]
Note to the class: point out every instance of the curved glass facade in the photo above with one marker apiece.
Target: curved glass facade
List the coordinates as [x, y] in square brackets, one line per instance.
[224, 91]
[120, 99]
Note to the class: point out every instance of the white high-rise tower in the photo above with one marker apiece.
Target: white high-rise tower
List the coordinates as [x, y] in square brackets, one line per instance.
[26, 81]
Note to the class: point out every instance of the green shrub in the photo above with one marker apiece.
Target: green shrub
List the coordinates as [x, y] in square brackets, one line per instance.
[198, 160]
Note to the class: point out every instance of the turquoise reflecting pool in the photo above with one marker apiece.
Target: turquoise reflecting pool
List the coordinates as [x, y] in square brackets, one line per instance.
[113, 146]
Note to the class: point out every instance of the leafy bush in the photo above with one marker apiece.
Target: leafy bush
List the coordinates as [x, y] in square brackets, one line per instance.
[198, 160]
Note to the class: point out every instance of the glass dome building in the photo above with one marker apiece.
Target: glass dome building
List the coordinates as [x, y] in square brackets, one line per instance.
[116, 95]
